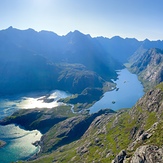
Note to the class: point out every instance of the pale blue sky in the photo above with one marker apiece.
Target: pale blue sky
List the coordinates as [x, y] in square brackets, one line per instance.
[127, 18]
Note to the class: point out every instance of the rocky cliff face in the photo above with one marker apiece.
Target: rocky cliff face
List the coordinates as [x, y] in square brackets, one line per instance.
[149, 67]
[147, 154]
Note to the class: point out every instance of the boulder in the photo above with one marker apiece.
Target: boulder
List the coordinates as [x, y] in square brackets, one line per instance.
[120, 157]
[148, 154]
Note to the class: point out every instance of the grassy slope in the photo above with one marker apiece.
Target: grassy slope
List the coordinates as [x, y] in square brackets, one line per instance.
[109, 134]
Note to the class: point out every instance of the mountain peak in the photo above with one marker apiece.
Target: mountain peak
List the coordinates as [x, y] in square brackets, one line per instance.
[116, 37]
[76, 33]
[10, 27]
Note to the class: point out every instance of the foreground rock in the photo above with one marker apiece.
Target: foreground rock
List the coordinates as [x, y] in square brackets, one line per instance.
[120, 157]
[148, 154]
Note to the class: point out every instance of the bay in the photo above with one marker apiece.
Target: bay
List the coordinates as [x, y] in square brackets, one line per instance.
[19, 142]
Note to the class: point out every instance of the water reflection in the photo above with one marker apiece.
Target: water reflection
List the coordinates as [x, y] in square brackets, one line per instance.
[8, 105]
[19, 141]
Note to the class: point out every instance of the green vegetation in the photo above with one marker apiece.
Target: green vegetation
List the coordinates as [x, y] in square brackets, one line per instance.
[84, 100]
[87, 97]
[157, 138]
[110, 134]
[41, 119]
[160, 86]
[151, 119]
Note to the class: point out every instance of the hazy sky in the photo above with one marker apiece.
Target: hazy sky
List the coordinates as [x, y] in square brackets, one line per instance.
[127, 18]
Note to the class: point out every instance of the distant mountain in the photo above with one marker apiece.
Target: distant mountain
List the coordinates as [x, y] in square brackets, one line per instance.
[119, 48]
[75, 47]
[149, 67]
[145, 46]
[128, 49]
[80, 48]
[33, 60]
[22, 72]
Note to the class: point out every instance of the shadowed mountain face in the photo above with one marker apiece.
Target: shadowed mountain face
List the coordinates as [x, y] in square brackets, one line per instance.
[79, 48]
[33, 60]
[128, 48]
[119, 48]
[43, 60]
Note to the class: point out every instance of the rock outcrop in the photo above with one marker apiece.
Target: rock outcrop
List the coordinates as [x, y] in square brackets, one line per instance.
[149, 68]
[120, 157]
[147, 154]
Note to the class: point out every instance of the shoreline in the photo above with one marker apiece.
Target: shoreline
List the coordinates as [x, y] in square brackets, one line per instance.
[2, 143]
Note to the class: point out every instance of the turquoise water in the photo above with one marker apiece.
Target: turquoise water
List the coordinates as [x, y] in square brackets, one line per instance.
[19, 141]
[129, 91]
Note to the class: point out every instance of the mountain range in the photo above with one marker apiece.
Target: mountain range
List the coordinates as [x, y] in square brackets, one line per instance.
[78, 63]
[34, 61]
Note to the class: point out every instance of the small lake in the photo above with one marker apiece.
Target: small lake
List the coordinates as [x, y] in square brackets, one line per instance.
[19, 141]
[129, 90]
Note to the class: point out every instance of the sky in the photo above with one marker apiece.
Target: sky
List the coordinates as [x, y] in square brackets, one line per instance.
[139, 19]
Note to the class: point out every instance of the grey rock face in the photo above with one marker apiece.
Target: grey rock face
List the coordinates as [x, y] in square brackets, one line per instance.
[120, 157]
[148, 154]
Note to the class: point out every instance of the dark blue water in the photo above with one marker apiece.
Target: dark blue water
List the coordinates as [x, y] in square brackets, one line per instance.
[129, 91]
